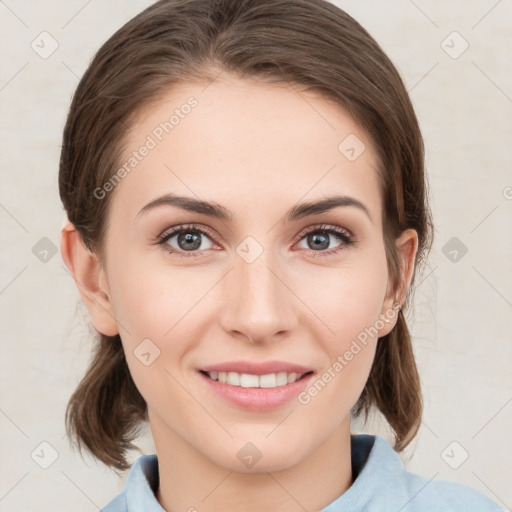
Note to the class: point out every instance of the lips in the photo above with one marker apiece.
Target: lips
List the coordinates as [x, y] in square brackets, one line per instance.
[252, 368]
[256, 386]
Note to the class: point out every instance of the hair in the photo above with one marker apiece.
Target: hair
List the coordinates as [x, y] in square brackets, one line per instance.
[309, 43]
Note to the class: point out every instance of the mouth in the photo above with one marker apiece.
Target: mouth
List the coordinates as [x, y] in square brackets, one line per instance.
[251, 380]
[252, 386]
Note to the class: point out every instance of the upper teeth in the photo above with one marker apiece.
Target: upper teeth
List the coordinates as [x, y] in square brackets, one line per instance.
[248, 380]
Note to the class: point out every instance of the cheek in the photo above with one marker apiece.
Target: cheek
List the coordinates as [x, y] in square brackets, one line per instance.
[351, 309]
[149, 300]
[347, 299]
[164, 311]
[158, 314]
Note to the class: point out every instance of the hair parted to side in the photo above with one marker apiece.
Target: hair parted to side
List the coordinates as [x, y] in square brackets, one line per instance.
[308, 43]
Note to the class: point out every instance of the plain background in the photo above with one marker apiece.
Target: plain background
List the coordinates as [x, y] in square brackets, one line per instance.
[463, 301]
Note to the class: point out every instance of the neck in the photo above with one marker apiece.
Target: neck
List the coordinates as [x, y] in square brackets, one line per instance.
[189, 481]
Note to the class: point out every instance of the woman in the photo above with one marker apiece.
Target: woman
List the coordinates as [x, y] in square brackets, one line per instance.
[247, 210]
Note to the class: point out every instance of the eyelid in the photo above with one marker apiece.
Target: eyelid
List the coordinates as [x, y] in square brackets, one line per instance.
[323, 227]
[343, 234]
[169, 232]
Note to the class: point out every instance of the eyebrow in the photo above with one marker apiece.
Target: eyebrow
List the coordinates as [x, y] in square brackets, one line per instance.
[217, 211]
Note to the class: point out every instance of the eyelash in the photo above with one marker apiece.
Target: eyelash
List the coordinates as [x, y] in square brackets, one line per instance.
[346, 238]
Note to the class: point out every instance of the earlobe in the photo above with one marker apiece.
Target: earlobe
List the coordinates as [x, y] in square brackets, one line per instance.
[407, 247]
[90, 279]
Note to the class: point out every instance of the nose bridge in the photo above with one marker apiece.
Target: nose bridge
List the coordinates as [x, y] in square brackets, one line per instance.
[259, 303]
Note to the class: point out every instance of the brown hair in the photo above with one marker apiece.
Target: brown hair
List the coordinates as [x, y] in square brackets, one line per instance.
[310, 43]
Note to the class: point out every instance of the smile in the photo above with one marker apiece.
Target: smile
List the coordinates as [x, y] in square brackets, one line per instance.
[248, 380]
[256, 385]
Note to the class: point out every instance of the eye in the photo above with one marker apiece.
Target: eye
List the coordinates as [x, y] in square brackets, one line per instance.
[189, 239]
[320, 237]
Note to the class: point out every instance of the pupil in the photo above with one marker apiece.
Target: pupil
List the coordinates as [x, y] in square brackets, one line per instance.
[323, 244]
[189, 238]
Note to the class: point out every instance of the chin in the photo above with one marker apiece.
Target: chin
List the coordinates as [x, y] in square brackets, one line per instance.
[260, 456]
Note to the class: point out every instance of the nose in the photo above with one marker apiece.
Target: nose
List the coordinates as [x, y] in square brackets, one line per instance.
[259, 303]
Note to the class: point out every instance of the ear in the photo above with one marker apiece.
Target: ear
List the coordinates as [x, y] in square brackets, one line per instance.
[90, 279]
[407, 245]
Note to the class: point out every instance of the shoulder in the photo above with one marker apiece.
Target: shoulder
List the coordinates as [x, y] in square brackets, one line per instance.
[444, 496]
[418, 493]
[139, 489]
[383, 483]
[461, 497]
[118, 504]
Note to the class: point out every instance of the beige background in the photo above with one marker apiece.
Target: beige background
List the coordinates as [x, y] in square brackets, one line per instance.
[463, 308]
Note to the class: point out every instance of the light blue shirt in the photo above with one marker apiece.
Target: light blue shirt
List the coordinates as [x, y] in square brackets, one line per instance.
[382, 484]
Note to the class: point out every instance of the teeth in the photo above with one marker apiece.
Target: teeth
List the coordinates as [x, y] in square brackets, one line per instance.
[281, 379]
[268, 381]
[292, 377]
[233, 379]
[247, 380]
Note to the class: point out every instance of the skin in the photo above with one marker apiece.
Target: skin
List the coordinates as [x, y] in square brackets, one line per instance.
[258, 150]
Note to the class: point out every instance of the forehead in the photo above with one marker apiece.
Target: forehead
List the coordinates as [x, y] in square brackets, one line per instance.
[235, 140]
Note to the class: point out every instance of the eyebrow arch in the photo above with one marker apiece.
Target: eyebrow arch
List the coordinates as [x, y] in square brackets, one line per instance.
[220, 212]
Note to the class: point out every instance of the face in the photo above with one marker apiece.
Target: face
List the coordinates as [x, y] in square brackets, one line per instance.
[255, 318]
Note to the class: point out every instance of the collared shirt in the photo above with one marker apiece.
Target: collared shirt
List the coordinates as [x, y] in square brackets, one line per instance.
[381, 484]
